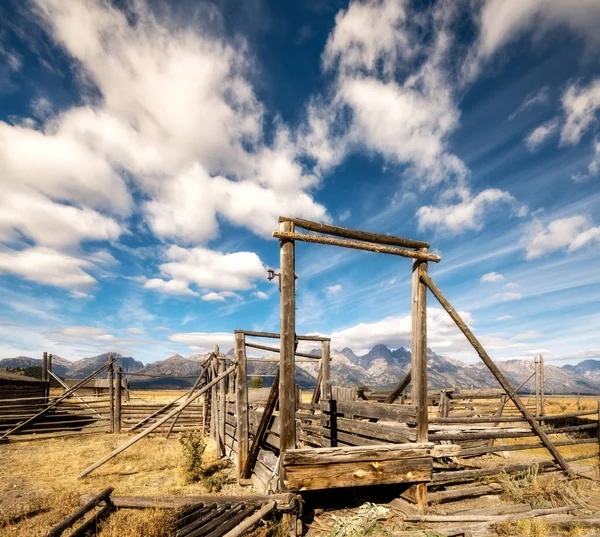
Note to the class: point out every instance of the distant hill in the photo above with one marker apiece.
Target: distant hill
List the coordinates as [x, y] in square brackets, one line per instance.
[379, 368]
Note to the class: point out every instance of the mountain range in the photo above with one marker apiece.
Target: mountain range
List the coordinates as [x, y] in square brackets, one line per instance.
[380, 368]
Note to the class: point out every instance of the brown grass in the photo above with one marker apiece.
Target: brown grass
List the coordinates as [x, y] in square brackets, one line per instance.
[37, 475]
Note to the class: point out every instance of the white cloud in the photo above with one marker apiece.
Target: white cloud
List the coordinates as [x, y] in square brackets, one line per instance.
[492, 277]
[593, 167]
[80, 295]
[213, 270]
[47, 266]
[204, 341]
[503, 21]
[261, 294]
[512, 285]
[170, 287]
[213, 297]
[136, 331]
[580, 105]
[540, 134]
[568, 234]
[504, 318]
[178, 113]
[467, 214]
[508, 296]
[221, 297]
[81, 333]
[333, 289]
[532, 99]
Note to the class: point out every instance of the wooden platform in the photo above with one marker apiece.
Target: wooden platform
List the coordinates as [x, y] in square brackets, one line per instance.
[383, 464]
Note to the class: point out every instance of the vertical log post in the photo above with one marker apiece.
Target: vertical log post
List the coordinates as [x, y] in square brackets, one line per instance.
[537, 387]
[241, 400]
[419, 361]
[49, 367]
[326, 368]
[287, 403]
[111, 394]
[542, 388]
[118, 400]
[45, 366]
[222, 403]
[214, 405]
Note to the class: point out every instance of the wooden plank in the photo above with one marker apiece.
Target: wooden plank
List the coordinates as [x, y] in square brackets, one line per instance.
[355, 245]
[262, 428]
[287, 399]
[118, 397]
[496, 372]
[274, 335]
[378, 431]
[222, 404]
[379, 452]
[348, 233]
[241, 400]
[381, 411]
[353, 474]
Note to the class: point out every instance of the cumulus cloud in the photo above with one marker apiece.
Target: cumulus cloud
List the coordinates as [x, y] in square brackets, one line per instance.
[47, 266]
[540, 134]
[170, 287]
[468, 213]
[568, 234]
[261, 294]
[492, 277]
[210, 269]
[173, 111]
[204, 341]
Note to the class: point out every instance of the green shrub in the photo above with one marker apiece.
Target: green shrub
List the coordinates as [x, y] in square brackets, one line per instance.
[194, 446]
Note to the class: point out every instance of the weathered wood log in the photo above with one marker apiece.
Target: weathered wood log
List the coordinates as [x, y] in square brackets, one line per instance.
[496, 372]
[351, 474]
[190, 528]
[402, 385]
[379, 452]
[111, 395]
[251, 521]
[200, 378]
[56, 401]
[232, 522]
[347, 233]
[90, 526]
[490, 518]
[356, 245]
[274, 335]
[463, 492]
[241, 401]
[283, 501]
[275, 349]
[154, 426]
[104, 496]
[461, 475]
[326, 369]
[222, 404]
[474, 452]
[262, 428]
[287, 391]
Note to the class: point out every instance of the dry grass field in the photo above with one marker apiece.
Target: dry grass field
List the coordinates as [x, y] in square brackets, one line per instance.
[38, 487]
[40, 475]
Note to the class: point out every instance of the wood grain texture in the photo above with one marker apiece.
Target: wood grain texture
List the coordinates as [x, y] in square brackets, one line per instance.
[382, 411]
[348, 233]
[287, 390]
[352, 474]
[241, 400]
[355, 245]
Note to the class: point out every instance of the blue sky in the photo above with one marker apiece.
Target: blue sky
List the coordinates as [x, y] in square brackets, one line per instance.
[147, 149]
